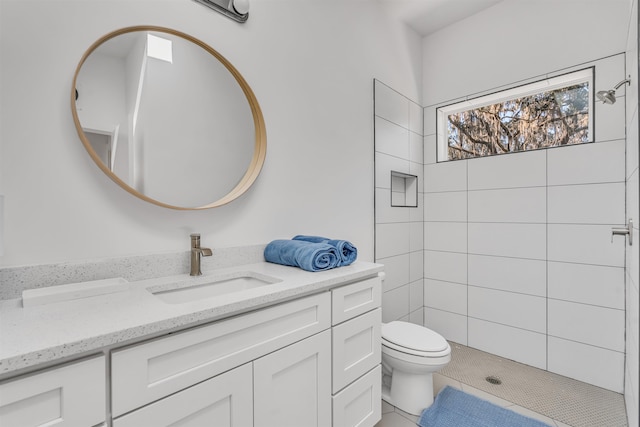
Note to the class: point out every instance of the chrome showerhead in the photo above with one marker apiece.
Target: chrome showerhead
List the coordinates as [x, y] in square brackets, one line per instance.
[609, 96]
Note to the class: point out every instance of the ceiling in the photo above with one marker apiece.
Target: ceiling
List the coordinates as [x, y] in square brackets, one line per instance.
[428, 16]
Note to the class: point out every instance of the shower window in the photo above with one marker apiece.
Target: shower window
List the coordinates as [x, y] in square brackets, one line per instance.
[553, 112]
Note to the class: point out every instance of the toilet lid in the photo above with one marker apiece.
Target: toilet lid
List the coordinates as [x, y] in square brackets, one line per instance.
[412, 336]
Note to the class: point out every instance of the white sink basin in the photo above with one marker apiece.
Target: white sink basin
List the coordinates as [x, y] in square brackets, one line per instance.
[213, 287]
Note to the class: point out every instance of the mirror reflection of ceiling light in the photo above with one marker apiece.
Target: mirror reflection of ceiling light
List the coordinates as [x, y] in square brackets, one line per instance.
[238, 10]
[159, 48]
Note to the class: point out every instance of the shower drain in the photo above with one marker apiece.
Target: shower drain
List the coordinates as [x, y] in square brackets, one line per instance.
[493, 380]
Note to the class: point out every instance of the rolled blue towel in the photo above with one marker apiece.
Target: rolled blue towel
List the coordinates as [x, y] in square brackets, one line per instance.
[348, 253]
[306, 255]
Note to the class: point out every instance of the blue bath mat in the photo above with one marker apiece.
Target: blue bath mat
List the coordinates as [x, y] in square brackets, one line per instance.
[455, 408]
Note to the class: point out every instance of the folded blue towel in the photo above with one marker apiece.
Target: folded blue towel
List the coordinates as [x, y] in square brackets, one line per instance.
[348, 252]
[306, 255]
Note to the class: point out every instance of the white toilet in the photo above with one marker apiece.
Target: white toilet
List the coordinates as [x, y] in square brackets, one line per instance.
[410, 355]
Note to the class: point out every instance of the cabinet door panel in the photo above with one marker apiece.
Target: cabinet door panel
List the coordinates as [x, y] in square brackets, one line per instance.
[353, 300]
[292, 386]
[152, 370]
[70, 395]
[356, 348]
[222, 401]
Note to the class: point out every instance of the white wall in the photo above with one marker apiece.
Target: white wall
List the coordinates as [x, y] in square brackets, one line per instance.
[518, 257]
[631, 393]
[311, 65]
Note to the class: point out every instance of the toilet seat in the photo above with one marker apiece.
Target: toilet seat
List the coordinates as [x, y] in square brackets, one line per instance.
[414, 340]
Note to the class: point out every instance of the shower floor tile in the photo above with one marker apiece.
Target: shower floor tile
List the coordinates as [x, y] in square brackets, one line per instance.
[556, 400]
[565, 401]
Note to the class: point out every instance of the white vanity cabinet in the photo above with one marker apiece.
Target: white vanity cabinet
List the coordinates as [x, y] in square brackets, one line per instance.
[72, 395]
[310, 361]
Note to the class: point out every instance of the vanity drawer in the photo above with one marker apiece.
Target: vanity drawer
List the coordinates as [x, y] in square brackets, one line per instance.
[70, 395]
[359, 404]
[352, 300]
[356, 348]
[152, 370]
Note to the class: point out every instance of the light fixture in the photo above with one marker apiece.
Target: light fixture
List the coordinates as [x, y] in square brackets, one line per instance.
[238, 10]
[609, 96]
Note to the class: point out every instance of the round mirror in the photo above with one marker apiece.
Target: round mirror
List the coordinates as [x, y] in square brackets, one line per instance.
[168, 118]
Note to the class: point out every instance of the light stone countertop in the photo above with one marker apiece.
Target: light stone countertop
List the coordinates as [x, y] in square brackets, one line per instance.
[57, 332]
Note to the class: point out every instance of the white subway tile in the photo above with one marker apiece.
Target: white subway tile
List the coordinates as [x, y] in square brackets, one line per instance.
[587, 284]
[586, 163]
[447, 266]
[588, 324]
[586, 244]
[429, 120]
[416, 295]
[593, 365]
[415, 118]
[610, 119]
[450, 206]
[525, 276]
[417, 169]
[516, 344]
[587, 204]
[509, 205]
[416, 236]
[417, 214]
[508, 308]
[391, 139]
[391, 105]
[451, 326]
[446, 236]
[445, 296]
[511, 240]
[417, 316]
[385, 164]
[396, 270]
[384, 212]
[395, 304]
[392, 239]
[430, 154]
[446, 176]
[416, 148]
[508, 171]
[416, 265]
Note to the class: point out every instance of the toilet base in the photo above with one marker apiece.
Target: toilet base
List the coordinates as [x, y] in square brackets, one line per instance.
[410, 393]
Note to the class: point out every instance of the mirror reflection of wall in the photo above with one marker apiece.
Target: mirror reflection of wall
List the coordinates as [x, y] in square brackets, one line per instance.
[174, 123]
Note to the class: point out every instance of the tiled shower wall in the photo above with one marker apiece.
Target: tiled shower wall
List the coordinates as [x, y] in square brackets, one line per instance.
[399, 230]
[633, 296]
[519, 259]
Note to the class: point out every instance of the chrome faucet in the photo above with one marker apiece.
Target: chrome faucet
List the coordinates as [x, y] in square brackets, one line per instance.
[196, 253]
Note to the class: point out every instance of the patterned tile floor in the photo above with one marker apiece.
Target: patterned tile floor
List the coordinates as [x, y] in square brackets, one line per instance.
[556, 400]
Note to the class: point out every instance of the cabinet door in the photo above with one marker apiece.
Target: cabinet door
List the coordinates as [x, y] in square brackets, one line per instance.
[222, 401]
[292, 386]
[70, 395]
